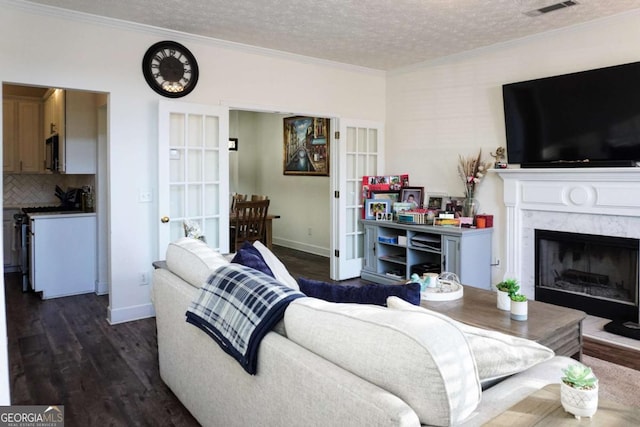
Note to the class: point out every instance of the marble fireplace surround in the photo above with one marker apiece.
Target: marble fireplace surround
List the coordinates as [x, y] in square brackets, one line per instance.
[599, 201]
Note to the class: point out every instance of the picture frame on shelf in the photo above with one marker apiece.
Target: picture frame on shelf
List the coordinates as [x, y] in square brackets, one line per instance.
[394, 196]
[454, 204]
[436, 201]
[376, 206]
[413, 195]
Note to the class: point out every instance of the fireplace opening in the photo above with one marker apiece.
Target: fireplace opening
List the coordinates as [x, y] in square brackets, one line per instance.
[595, 274]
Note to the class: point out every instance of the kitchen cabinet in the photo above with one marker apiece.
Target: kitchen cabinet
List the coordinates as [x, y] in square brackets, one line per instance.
[23, 143]
[54, 113]
[393, 251]
[79, 142]
[62, 253]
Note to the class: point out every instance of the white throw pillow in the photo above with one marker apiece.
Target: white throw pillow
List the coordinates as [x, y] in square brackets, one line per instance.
[423, 360]
[192, 260]
[278, 269]
[497, 355]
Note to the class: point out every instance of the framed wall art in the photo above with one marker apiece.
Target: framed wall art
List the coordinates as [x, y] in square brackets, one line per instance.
[306, 146]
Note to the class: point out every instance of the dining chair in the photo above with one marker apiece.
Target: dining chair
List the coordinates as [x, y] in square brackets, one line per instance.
[237, 197]
[248, 222]
[257, 197]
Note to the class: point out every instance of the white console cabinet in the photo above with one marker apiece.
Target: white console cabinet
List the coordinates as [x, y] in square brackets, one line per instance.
[394, 251]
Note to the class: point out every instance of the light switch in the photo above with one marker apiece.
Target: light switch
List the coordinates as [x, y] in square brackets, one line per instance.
[145, 196]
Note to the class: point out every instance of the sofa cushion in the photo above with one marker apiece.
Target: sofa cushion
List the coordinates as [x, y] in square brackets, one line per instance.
[192, 260]
[423, 360]
[497, 355]
[366, 294]
[280, 272]
[249, 256]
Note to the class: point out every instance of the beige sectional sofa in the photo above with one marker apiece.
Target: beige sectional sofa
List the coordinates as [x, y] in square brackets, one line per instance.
[328, 364]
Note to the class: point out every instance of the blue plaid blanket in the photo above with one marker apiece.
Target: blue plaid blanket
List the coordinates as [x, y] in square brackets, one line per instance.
[237, 307]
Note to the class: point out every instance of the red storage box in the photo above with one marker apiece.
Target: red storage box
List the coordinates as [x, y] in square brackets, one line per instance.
[488, 220]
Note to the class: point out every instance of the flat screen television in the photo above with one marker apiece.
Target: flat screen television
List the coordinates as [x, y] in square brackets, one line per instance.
[585, 119]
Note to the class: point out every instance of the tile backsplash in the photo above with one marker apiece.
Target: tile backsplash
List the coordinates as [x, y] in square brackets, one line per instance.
[39, 190]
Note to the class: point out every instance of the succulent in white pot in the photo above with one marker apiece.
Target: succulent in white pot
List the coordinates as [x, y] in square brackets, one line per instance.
[579, 391]
[519, 307]
[505, 289]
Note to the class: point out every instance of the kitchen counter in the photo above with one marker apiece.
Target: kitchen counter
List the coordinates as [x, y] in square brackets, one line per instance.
[65, 214]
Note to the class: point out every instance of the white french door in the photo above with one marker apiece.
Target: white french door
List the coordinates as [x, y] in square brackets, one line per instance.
[193, 173]
[360, 152]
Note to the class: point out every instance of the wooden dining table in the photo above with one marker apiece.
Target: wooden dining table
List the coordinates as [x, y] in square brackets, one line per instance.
[268, 234]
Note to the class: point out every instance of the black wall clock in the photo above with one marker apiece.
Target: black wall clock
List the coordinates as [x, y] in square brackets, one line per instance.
[170, 69]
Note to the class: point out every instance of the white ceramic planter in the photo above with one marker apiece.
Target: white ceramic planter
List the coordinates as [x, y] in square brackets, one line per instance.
[580, 403]
[504, 302]
[519, 310]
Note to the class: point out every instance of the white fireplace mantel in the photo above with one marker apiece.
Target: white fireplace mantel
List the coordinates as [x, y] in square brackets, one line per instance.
[592, 195]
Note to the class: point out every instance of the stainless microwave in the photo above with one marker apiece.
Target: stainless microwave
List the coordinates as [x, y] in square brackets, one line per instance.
[52, 153]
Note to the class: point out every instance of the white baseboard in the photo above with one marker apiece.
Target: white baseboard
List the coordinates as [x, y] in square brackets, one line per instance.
[128, 314]
[304, 247]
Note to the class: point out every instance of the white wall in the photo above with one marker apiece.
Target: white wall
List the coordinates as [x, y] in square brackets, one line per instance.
[55, 49]
[453, 106]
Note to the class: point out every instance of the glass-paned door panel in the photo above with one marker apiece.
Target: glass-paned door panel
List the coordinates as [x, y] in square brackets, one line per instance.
[212, 127]
[211, 169]
[211, 193]
[194, 202]
[196, 187]
[176, 165]
[212, 223]
[177, 200]
[194, 165]
[177, 129]
[360, 154]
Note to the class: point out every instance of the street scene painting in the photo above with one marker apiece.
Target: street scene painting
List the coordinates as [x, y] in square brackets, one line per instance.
[306, 146]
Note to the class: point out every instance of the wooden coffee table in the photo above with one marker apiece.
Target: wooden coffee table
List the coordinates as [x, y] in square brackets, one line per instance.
[556, 327]
[543, 408]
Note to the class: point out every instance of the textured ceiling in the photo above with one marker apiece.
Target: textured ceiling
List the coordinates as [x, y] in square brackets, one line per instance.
[379, 34]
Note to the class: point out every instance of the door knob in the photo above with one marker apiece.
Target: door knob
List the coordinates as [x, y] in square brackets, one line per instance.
[164, 219]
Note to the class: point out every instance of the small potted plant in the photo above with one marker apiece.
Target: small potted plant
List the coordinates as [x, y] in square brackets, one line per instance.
[579, 391]
[505, 289]
[519, 307]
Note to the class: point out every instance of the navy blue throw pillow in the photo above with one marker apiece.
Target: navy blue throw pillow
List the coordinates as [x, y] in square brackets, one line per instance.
[249, 256]
[366, 294]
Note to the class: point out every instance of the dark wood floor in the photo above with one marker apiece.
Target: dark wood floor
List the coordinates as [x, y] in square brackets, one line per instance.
[63, 351]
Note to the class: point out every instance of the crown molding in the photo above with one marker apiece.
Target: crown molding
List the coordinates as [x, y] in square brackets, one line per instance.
[82, 17]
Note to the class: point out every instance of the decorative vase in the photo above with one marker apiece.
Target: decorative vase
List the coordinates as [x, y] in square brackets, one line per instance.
[504, 302]
[469, 207]
[580, 403]
[519, 310]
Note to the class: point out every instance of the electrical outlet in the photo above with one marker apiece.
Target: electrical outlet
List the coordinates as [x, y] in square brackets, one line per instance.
[143, 279]
[309, 231]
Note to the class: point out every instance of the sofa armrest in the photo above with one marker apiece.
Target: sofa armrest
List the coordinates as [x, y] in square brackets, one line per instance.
[502, 396]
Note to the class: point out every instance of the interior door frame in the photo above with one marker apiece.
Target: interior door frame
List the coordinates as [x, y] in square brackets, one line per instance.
[335, 161]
